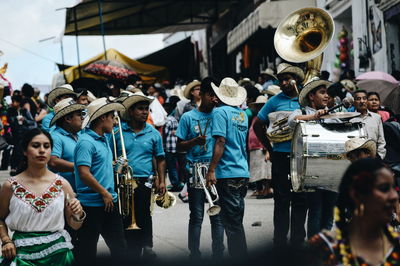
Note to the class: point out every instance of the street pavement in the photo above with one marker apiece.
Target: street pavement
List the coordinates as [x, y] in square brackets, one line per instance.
[170, 228]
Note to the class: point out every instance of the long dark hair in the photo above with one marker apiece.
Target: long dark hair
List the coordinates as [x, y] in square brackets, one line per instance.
[26, 139]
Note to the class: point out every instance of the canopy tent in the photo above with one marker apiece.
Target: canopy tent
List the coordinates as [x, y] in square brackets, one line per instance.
[145, 71]
[142, 17]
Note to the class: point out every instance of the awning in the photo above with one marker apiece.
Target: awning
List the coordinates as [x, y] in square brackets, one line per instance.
[144, 70]
[268, 14]
[142, 17]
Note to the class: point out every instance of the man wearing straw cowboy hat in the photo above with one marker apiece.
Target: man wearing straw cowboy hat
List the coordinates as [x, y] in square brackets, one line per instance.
[56, 95]
[192, 92]
[229, 168]
[95, 184]
[143, 143]
[68, 120]
[194, 137]
[358, 148]
[314, 99]
[285, 202]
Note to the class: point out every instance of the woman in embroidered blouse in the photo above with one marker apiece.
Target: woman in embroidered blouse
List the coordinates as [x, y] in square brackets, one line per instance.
[34, 204]
[363, 236]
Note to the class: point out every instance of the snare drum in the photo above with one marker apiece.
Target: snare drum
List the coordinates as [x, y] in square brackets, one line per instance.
[318, 155]
[194, 178]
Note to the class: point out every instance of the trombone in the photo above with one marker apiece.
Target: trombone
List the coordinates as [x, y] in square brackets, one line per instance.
[212, 209]
[126, 184]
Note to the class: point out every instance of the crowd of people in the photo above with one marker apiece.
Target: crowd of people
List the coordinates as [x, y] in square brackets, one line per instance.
[62, 193]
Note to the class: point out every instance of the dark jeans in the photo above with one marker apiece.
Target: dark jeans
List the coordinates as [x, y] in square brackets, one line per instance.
[99, 222]
[231, 200]
[320, 211]
[289, 207]
[138, 239]
[197, 199]
[172, 167]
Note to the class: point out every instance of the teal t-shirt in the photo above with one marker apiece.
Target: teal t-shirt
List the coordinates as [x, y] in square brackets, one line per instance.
[94, 151]
[63, 147]
[188, 129]
[46, 122]
[232, 124]
[140, 148]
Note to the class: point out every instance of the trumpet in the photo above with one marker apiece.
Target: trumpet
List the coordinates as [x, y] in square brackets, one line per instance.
[126, 184]
[212, 209]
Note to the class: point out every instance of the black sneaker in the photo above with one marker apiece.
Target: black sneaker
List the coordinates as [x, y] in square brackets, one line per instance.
[148, 253]
[184, 199]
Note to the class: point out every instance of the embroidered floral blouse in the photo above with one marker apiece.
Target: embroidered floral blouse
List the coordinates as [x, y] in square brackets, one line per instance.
[36, 213]
[324, 250]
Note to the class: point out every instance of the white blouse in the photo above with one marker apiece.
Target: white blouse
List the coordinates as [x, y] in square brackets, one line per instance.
[36, 213]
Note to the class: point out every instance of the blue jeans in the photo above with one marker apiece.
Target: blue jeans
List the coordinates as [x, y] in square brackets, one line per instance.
[172, 166]
[320, 211]
[197, 199]
[231, 200]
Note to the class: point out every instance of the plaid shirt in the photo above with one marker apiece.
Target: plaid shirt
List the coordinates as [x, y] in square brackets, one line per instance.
[169, 133]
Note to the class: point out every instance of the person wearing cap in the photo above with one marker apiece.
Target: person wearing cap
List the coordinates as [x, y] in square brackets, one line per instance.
[56, 95]
[289, 208]
[313, 99]
[229, 167]
[94, 180]
[372, 121]
[68, 121]
[192, 93]
[358, 148]
[267, 78]
[143, 144]
[195, 137]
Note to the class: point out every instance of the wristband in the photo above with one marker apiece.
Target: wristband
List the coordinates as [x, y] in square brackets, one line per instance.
[3, 243]
[80, 220]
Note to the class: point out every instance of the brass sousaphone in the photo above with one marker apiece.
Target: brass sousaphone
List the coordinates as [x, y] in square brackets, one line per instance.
[303, 36]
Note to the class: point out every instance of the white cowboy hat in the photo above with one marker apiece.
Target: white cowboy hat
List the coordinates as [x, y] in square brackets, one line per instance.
[348, 84]
[189, 87]
[229, 92]
[314, 83]
[359, 143]
[131, 100]
[177, 92]
[65, 89]
[100, 107]
[244, 81]
[91, 96]
[260, 100]
[272, 90]
[65, 107]
[123, 95]
[288, 68]
[269, 72]
[132, 89]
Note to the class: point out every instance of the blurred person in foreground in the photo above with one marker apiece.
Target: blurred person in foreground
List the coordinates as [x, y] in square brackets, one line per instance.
[364, 209]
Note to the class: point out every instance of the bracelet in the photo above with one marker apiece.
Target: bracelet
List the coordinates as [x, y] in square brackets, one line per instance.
[3, 243]
[80, 220]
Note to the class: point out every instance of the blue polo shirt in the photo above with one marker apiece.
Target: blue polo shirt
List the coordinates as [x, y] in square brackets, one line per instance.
[279, 102]
[140, 148]
[188, 129]
[232, 124]
[63, 147]
[94, 151]
[46, 122]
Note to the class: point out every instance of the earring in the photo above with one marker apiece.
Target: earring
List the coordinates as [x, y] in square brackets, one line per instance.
[359, 211]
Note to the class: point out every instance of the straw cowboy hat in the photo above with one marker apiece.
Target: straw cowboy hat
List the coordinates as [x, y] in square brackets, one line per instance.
[100, 107]
[177, 92]
[189, 87]
[269, 72]
[229, 92]
[245, 81]
[65, 107]
[288, 68]
[314, 83]
[348, 84]
[65, 89]
[123, 95]
[272, 90]
[260, 100]
[131, 100]
[132, 89]
[359, 143]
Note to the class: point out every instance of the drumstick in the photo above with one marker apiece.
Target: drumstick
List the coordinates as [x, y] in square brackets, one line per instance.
[294, 83]
[201, 134]
[198, 123]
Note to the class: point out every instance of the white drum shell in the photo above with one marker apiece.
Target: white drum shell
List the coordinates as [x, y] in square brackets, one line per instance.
[318, 155]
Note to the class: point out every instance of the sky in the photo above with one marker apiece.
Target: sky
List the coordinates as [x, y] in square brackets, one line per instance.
[26, 22]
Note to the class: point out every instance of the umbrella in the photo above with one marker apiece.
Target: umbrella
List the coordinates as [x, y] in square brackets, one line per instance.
[388, 92]
[377, 75]
[109, 69]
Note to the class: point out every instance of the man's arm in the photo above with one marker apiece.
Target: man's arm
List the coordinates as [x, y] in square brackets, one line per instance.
[219, 148]
[260, 131]
[381, 142]
[60, 165]
[161, 189]
[185, 145]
